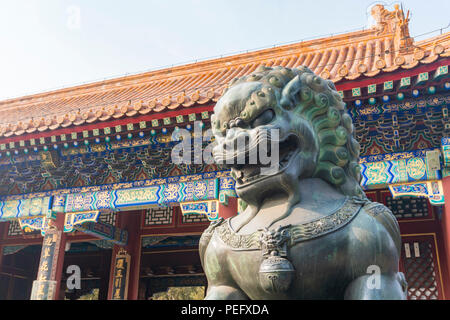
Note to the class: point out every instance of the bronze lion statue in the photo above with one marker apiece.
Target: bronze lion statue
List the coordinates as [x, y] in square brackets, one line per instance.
[308, 231]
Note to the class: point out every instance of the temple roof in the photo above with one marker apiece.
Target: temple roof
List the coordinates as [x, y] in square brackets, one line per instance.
[384, 48]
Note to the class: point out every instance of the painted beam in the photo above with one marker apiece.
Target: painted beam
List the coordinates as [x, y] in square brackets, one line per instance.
[104, 231]
[118, 197]
[397, 168]
[433, 190]
[208, 208]
[137, 198]
[60, 194]
[21, 208]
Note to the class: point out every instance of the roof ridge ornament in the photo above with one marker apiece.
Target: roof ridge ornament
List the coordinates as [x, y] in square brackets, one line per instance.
[395, 23]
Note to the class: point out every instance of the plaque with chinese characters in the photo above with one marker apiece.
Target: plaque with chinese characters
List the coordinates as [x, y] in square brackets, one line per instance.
[121, 273]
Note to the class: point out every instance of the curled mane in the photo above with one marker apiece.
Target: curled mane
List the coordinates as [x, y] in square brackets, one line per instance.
[316, 100]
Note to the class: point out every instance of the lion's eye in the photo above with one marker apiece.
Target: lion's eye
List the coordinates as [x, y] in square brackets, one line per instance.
[264, 118]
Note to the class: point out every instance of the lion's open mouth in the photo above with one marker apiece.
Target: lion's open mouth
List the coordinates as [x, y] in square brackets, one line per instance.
[250, 173]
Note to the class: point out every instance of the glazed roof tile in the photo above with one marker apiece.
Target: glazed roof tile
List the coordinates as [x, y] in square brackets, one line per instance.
[348, 56]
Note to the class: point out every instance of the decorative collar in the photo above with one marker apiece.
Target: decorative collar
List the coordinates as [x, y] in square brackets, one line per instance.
[290, 234]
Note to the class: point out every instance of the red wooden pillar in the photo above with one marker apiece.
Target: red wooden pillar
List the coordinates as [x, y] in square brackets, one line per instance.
[229, 210]
[446, 221]
[60, 258]
[130, 221]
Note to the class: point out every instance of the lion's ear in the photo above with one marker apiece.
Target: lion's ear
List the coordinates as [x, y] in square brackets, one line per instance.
[290, 90]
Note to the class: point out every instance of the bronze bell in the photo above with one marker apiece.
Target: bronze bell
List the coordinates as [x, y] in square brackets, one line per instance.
[276, 273]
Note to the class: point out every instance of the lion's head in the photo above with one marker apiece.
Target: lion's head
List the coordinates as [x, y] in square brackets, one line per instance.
[315, 132]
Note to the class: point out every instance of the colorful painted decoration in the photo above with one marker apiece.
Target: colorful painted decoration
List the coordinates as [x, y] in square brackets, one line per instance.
[207, 208]
[356, 92]
[13, 209]
[104, 231]
[396, 171]
[422, 78]
[34, 223]
[405, 82]
[123, 199]
[445, 144]
[76, 218]
[433, 190]
[388, 85]
[432, 90]
[372, 88]
[441, 72]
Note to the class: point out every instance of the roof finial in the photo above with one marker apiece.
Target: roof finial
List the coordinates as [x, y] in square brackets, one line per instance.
[393, 22]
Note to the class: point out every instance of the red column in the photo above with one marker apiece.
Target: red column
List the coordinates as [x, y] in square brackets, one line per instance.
[230, 210]
[446, 220]
[60, 259]
[130, 221]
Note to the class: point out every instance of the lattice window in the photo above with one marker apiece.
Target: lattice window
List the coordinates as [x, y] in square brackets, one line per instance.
[420, 270]
[194, 218]
[158, 216]
[14, 229]
[408, 207]
[108, 217]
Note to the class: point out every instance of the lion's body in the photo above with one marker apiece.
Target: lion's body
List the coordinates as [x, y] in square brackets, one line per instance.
[321, 271]
[308, 231]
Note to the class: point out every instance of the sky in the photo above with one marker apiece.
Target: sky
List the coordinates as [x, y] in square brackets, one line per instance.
[50, 44]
